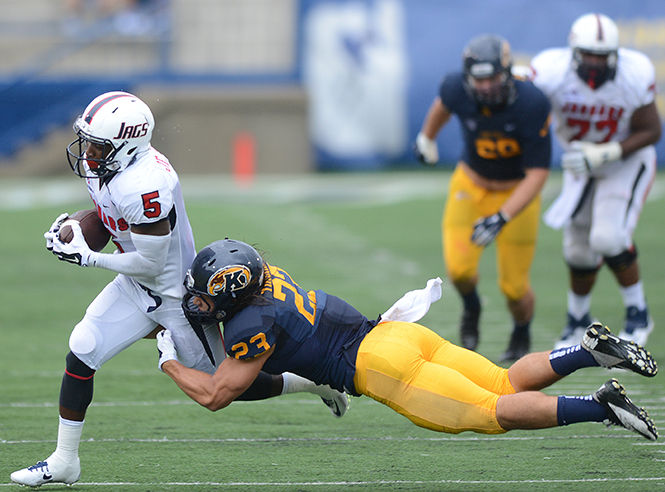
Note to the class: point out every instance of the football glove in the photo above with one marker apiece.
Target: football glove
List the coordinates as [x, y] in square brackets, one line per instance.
[485, 229]
[426, 150]
[165, 348]
[585, 156]
[76, 251]
[54, 229]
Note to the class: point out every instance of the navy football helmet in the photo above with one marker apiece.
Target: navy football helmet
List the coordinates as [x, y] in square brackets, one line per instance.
[227, 273]
[488, 57]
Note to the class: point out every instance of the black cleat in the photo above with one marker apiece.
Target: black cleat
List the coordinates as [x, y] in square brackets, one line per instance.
[518, 347]
[612, 351]
[468, 329]
[621, 411]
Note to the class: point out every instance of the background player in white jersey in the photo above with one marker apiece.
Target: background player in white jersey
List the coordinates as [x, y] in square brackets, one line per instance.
[605, 117]
[137, 195]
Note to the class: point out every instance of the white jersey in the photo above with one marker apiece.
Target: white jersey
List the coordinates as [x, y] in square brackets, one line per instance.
[145, 192]
[601, 115]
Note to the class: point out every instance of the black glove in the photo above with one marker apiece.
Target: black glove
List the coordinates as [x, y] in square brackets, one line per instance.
[485, 229]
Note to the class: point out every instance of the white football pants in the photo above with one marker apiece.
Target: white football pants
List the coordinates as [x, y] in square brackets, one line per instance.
[124, 312]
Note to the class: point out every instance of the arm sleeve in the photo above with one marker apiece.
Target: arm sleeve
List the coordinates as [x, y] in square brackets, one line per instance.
[148, 260]
[264, 386]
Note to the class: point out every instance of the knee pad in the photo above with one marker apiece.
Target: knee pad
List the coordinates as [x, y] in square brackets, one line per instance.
[623, 260]
[608, 240]
[578, 256]
[82, 340]
[77, 384]
[513, 292]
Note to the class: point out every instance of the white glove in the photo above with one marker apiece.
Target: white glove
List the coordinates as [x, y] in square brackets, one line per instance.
[585, 156]
[426, 150]
[165, 347]
[53, 230]
[77, 250]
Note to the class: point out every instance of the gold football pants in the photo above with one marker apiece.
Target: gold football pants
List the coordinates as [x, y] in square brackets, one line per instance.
[515, 244]
[432, 382]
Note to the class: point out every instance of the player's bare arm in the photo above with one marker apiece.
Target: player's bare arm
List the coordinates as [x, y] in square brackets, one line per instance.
[232, 378]
[526, 191]
[437, 116]
[644, 129]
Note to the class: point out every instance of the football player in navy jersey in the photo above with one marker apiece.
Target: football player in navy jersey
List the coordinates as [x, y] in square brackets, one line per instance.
[273, 324]
[495, 189]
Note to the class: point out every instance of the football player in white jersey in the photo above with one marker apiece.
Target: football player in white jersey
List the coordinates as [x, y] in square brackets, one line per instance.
[137, 195]
[606, 119]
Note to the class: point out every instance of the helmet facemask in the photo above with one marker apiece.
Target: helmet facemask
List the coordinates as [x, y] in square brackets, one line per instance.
[594, 74]
[88, 167]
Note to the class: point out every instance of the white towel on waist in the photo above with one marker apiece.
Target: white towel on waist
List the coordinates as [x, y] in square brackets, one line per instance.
[563, 207]
[414, 304]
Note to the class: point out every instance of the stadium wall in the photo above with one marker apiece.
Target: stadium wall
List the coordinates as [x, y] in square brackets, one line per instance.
[346, 83]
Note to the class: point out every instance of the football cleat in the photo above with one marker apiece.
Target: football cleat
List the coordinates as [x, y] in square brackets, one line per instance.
[518, 347]
[50, 470]
[336, 401]
[573, 332]
[621, 411]
[638, 325]
[469, 329]
[611, 351]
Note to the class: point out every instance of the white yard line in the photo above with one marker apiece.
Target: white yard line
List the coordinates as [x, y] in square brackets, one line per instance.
[367, 482]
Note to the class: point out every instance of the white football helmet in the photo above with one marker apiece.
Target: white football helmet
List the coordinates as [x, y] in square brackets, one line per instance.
[594, 34]
[118, 121]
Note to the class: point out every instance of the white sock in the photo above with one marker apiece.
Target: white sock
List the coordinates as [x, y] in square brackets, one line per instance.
[296, 384]
[578, 305]
[633, 295]
[69, 437]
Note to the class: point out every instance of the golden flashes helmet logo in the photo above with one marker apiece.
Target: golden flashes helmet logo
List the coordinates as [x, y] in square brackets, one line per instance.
[229, 279]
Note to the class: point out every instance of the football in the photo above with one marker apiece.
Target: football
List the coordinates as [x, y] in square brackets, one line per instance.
[95, 233]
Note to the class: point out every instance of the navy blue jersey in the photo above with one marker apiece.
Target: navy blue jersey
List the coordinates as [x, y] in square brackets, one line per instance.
[501, 144]
[315, 335]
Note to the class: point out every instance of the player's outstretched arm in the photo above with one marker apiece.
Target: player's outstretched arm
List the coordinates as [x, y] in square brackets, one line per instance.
[232, 378]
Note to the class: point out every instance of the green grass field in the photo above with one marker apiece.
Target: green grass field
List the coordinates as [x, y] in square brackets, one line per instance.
[367, 238]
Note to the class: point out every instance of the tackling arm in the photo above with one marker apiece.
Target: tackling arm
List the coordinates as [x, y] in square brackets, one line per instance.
[232, 378]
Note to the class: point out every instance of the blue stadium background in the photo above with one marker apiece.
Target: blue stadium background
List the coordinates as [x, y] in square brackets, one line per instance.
[370, 69]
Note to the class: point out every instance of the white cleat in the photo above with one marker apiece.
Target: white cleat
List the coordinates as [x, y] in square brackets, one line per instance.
[51, 470]
[336, 401]
[570, 339]
[638, 335]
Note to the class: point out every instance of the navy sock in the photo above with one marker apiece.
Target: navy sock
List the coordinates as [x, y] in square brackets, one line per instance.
[521, 329]
[471, 301]
[569, 359]
[573, 409]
